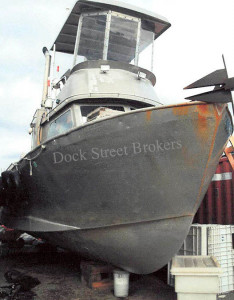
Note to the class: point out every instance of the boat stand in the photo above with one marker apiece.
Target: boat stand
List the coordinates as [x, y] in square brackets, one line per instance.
[96, 275]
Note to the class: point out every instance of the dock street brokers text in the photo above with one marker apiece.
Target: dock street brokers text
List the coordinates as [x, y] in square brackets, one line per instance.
[96, 153]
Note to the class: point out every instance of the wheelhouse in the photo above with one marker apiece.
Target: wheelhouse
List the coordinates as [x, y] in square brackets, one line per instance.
[99, 37]
[109, 30]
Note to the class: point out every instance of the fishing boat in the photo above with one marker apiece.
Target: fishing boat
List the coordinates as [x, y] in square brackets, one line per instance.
[114, 174]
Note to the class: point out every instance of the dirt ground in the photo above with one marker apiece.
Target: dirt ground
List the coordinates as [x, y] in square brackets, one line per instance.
[59, 274]
[60, 279]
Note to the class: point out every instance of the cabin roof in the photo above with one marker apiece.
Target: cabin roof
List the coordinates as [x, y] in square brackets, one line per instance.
[65, 41]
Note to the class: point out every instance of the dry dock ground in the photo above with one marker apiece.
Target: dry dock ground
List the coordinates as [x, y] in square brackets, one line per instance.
[59, 274]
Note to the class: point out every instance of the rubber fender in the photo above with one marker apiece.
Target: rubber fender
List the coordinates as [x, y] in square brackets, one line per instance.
[10, 180]
[10, 183]
[14, 179]
[6, 179]
[2, 193]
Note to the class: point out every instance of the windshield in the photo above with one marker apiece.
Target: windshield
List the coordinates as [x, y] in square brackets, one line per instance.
[122, 39]
[61, 125]
[92, 37]
[113, 36]
[146, 53]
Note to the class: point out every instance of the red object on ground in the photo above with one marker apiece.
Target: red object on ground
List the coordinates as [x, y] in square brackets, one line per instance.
[217, 206]
[6, 228]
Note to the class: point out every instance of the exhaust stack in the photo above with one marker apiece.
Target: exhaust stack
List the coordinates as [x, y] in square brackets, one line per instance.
[46, 75]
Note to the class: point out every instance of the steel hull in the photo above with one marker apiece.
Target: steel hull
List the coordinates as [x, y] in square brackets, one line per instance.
[125, 189]
[139, 248]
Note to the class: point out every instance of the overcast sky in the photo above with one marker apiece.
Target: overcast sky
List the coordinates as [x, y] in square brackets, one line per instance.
[201, 31]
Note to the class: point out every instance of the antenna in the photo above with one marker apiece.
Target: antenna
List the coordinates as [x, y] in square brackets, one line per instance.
[224, 64]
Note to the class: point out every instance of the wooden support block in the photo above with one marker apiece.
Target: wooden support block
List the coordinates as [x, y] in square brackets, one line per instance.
[96, 275]
[103, 284]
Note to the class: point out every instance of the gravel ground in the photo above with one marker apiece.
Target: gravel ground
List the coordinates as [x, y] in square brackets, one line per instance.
[59, 274]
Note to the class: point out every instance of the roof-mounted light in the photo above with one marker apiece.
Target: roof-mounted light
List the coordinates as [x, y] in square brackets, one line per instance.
[105, 68]
[141, 75]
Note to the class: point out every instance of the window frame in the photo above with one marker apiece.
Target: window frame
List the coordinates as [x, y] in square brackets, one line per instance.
[79, 116]
[59, 116]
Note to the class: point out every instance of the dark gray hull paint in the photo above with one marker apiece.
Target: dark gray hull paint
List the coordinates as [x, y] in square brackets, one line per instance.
[139, 248]
[130, 207]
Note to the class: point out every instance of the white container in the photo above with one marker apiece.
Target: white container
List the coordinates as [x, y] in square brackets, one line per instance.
[215, 240]
[121, 283]
[196, 277]
[220, 246]
[195, 242]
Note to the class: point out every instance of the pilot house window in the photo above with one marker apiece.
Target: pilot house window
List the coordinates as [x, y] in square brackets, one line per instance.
[122, 40]
[92, 37]
[86, 111]
[61, 124]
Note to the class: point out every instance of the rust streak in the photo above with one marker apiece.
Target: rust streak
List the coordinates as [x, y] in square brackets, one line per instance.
[201, 124]
[180, 110]
[148, 115]
[203, 110]
[218, 120]
[202, 128]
